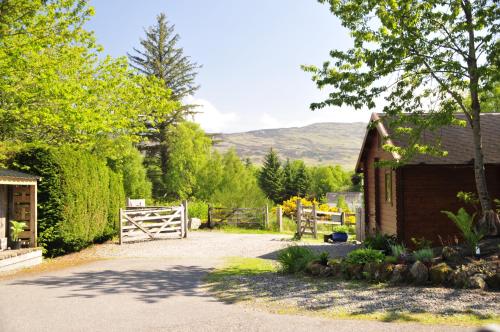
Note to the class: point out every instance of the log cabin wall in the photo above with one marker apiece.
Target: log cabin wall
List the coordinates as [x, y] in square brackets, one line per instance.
[3, 215]
[381, 202]
[428, 190]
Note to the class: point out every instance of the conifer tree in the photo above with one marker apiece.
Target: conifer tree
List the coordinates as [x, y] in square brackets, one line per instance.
[288, 180]
[160, 56]
[302, 180]
[271, 177]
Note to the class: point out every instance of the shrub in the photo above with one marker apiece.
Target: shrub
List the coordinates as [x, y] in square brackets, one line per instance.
[323, 258]
[424, 255]
[398, 250]
[78, 197]
[391, 259]
[341, 228]
[465, 223]
[421, 243]
[198, 209]
[294, 259]
[380, 242]
[363, 256]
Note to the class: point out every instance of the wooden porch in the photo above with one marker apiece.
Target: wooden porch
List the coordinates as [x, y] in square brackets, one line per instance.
[18, 201]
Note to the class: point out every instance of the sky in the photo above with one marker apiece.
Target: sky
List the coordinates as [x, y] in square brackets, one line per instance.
[251, 53]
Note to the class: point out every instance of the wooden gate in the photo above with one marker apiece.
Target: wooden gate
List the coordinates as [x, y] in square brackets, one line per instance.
[152, 223]
[238, 217]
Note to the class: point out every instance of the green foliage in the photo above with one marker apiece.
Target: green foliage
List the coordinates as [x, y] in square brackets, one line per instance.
[271, 177]
[424, 255]
[16, 228]
[198, 209]
[189, 149]
[391, 259]
[342, 228]
[323, 258]
[78, 197]
[341, 203]
[465, 223]
[421, 243]
[398, 250]
[365, 255]
[294, 259]
[326, 179]
[380, 242]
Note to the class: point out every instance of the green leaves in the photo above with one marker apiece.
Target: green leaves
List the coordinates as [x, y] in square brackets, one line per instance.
[465, 223]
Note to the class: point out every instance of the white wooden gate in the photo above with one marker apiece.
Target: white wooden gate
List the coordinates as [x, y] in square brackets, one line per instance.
[152, 223]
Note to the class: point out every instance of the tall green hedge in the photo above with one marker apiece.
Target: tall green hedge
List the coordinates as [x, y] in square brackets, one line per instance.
[78, 197]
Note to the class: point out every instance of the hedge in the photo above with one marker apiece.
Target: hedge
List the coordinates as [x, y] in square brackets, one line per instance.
[78, 197]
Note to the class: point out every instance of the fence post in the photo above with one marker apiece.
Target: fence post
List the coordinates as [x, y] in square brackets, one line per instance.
[342, 218]
[120, 224]
[209, 216]
[315, 224]
[279, 218]
[299, 218]
[266, 220]
[186, 218]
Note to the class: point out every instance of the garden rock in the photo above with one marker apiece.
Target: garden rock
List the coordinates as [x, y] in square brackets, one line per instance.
[369, 270]
[493, 280]
[419, 273]
[451, 255]
[315, 268]
[384, 272]
[399, 273]
[355, 271]
[440, 273]
[195, 223]
[335, 268]
[477, 282]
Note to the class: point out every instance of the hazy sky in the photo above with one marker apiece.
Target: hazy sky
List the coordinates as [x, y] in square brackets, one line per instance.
[251, 52]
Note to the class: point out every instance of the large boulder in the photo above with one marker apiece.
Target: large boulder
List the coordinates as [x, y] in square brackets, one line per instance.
[477, 282]
[419, 273]
[440, 273]
[354, 271]
[315, 268]
[335, 266]
[399, 273]
[384, 272]
[369, 270]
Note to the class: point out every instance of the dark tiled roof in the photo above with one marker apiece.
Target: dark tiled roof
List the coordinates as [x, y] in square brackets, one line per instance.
[8, 173]
[459, 144]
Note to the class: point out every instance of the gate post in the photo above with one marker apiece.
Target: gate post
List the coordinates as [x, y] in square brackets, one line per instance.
[266, 217]
[299, 218]
[120, 226]
[209, 216]
[315, 224]
[279, 218]
[186, 218]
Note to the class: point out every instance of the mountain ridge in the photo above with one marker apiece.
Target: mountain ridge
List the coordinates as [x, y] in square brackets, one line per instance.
[324, 143]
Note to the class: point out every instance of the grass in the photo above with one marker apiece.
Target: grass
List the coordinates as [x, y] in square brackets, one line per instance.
[223, 284]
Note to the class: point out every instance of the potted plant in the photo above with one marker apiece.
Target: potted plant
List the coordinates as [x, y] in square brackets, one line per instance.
[16, 228]
[340, 233]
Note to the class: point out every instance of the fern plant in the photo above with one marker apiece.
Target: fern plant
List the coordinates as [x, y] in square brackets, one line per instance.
[424, 255]
[16, 228]
[465, 223]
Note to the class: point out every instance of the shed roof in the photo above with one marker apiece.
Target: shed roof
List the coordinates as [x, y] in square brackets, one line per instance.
[16, 175]
[457, 141]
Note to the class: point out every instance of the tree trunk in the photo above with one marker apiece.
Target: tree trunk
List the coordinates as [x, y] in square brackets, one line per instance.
[489, 222]
[164, 154]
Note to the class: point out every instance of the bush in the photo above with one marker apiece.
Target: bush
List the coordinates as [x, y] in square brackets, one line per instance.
[465, 224]
[294, 259]
[78, 197]
[198, 209]
[380, 242]
[421, 243]
[424, 255]
[398, 250]
[363, 256]
[341, 228]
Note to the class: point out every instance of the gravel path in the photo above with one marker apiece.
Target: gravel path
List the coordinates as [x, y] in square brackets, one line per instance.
[158, 286]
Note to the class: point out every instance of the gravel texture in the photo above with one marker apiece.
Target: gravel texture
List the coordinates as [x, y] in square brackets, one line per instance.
[358, 298]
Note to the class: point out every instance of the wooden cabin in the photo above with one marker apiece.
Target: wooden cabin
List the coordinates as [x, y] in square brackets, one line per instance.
[407, 201]
[18, 201]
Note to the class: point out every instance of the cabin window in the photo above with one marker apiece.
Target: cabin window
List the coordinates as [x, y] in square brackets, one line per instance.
[388, 187]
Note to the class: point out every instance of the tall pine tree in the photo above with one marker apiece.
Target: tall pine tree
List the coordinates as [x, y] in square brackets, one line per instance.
[302, 179]
[271, 177]
[160, 56]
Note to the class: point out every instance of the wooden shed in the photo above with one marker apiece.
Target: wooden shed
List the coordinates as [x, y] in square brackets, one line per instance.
[407, 201]
[18, 201]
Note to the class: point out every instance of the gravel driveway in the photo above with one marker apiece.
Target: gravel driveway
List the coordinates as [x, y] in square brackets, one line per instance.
[158, 286]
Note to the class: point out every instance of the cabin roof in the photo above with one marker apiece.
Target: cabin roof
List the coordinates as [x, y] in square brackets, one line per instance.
[456, 140]
[16, 175]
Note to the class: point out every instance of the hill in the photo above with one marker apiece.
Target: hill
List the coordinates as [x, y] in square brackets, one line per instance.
[316, 144]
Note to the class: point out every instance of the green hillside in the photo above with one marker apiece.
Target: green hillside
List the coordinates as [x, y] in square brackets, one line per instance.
[316, 144]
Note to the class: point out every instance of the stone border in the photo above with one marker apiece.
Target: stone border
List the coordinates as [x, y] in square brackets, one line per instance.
[17, 259]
